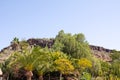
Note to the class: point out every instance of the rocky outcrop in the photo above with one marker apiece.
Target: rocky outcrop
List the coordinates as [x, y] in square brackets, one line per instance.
[41, 42]
[101, 53]
[5, 53]
[98, 48]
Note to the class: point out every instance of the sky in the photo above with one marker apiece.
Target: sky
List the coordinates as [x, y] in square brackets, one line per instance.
[98, 20]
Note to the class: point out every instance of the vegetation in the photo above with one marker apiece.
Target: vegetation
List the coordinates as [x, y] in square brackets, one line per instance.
[73, 45]
[69, 58]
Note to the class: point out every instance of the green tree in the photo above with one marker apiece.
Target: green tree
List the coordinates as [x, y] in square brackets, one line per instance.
[6, 69]
[73, 45]
[44, 63]
[115, 55]
[105, 67]
[96, 67]
[15, 40]
[15, 43]
[81, 65]
[115, 68]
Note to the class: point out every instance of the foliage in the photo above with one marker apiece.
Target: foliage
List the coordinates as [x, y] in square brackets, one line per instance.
[105, 67]
[73, 45]
[44, 62]
[64, 66]
[5, 66]
[58, 55]
[15, 40]
[115, 55]
[115, 68]
[96, 67]
[24, 59]
[24, 45]
[84, 63]
[69, 54]
[115, 65]
[85, 76]
[82, 66]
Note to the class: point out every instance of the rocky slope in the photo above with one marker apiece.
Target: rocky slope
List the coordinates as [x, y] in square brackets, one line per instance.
[98, 51]
[101, 53]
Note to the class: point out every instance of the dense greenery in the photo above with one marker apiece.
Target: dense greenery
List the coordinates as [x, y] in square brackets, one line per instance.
[74, 45]
[69, 57]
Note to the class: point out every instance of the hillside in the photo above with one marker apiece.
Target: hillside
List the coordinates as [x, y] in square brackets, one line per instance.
[97, 51]
[65, 57]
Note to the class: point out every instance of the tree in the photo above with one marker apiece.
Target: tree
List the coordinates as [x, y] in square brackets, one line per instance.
[105, 67]
[5, 69]
[15, 43]
[96, 67]
[64, 66]
[27, 59]
[15, 40]
[73, 45]
[80, 37]
[81, 65]
[115, 68]
[115, 55]
[84, 63]
[44, 63]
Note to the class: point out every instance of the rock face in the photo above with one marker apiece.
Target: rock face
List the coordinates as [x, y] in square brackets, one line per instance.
[41, 42]
[101, 53]
[5, 53]
[98, 48]
[98, 51]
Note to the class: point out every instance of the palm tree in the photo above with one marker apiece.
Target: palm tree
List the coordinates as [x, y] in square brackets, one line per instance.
[44, 62]
[26, 59]
[15, 43]
[5, 69]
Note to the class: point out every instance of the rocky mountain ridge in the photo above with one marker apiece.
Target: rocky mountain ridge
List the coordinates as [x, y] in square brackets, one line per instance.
[99, 52]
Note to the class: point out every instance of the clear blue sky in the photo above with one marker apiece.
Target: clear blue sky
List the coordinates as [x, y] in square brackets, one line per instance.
[98, 20]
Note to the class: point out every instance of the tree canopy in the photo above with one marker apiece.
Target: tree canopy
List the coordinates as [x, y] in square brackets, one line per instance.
[74, 45]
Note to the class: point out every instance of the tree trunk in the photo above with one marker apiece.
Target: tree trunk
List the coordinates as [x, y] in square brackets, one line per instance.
[29, 75]
[5, 76]
[40, 77]
[29, 78]
[60, 76]
[49, 76]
